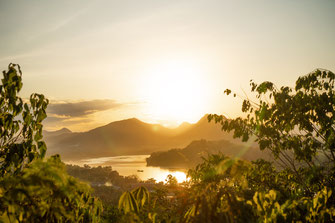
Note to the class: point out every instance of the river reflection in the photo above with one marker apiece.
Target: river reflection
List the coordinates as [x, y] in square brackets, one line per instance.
[133, 165]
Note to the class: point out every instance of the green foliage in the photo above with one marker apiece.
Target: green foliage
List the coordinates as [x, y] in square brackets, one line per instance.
[296, 125]
[134, 203]
[219, 190]
[43, 192]
[225, 190]
[304, 209]
[141, 195]
[20, 124]
[128, 203]
[33, 190]
[96, 175]
[111, 214]
[157, 206]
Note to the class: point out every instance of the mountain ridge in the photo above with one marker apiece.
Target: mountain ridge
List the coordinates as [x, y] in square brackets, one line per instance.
[130, 137]
[193, 153]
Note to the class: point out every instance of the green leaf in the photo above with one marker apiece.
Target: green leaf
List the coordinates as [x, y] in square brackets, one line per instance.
[141, 194]
[127, 203]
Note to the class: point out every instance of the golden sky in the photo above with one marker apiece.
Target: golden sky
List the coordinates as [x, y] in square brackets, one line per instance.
[160, 61]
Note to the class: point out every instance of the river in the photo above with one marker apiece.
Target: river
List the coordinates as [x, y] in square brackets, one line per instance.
[133, 165]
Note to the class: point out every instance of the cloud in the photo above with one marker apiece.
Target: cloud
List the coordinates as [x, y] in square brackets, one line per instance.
[54, 119]
[64, 110]
[79, 116]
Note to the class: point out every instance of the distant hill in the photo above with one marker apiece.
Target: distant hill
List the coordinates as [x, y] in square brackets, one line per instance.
[129, 137]
[56, 133]
[192, 154]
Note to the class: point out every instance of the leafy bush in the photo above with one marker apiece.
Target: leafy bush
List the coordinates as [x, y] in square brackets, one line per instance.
[43, 192]
[20, 124]
[33, 190]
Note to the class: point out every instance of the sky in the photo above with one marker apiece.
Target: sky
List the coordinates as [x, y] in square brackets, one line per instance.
[160, 61]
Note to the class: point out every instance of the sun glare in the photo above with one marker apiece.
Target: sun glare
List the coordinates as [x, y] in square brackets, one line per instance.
[162, 175]
[180, 176]
[175, 92]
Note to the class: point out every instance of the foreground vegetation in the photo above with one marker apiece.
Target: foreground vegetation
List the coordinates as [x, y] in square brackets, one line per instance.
[33, 189]
[295, 125]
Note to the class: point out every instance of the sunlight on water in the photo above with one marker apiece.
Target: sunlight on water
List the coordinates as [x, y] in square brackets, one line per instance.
[180, 176]
[133, 165]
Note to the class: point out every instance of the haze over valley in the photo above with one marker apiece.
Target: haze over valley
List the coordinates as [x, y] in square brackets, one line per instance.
[132, 137]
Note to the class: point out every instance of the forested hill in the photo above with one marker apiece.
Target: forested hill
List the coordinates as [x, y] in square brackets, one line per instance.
[192, 154]
[129, 137]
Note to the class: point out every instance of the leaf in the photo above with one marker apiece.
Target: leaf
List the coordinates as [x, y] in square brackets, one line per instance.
[128, 203]
[43, 148]
[141, 195]
[227, 91]
[152, 217]
[190, 213]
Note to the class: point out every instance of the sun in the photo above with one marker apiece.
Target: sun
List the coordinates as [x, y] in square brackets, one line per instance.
[175, 91]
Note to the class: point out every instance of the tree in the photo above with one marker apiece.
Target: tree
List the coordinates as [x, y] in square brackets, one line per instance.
[31, 189]
[171, 180]
[296, 125]
[43, 192]
[20, 124]
[219, 190]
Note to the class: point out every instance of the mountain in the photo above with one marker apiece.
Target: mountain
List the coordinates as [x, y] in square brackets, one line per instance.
[56, 133]
[129, 137]
[193, 153]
